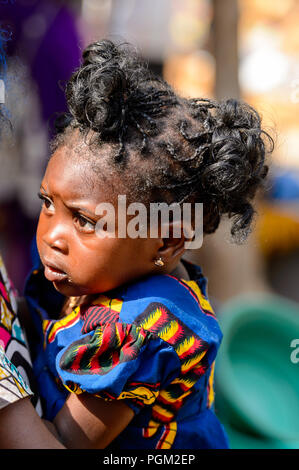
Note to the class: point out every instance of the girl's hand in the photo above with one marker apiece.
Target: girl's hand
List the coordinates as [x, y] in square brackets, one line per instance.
[89, 422]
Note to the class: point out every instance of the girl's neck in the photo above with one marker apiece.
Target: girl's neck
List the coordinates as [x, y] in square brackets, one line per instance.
[180, 272]
[71, 302]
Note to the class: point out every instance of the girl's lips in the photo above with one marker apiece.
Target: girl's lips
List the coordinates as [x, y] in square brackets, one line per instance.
[54, 274]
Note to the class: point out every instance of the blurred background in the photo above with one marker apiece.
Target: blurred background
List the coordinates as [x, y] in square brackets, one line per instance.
[246, 49]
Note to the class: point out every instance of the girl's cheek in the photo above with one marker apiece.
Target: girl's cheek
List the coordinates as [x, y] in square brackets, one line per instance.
[39, 233]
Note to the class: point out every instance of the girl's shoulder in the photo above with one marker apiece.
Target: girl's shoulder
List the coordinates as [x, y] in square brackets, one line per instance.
[160, 304]
[190, 295]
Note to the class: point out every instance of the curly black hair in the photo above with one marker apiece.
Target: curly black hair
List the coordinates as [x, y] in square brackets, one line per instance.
[169, 148]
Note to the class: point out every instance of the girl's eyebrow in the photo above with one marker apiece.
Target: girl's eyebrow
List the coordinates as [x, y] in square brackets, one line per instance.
[42, 188]
[73, 207]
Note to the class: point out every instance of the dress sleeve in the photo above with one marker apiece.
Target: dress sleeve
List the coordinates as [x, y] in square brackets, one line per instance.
[119, 361]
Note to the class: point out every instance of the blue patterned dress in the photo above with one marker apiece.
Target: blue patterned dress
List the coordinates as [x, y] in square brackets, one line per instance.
[152, 343]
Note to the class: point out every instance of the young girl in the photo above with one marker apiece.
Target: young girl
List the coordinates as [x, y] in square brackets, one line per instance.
[126, 339]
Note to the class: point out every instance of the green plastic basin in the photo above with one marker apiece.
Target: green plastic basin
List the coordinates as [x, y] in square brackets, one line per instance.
[257, 383]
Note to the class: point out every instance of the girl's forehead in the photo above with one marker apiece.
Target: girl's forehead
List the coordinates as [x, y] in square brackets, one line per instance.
[71, 176]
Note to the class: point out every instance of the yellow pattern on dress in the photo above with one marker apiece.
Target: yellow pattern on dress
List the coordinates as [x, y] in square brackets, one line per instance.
[169, 331]
[63, 323]
[204, 303]
[211, 394]
[141, 393]
[103, 300]
[171, 430]
[167, 396]
[185, 346]
[192, 362]
[152, 319]
[6, 316]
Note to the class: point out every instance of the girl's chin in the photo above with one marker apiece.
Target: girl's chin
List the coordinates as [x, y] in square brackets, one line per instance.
[69, 289]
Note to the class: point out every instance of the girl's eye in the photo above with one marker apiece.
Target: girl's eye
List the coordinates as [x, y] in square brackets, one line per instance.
[83, 224]
[46, 203]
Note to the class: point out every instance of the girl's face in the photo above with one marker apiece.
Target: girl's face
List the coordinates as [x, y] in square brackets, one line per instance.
[75, 258]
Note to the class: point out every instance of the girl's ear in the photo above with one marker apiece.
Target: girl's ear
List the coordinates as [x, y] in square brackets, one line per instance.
[173, 244]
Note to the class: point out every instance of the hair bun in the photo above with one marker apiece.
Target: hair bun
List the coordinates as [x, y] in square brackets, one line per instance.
[236, 165]
[234, 114]
[99, 52]
[97, 91]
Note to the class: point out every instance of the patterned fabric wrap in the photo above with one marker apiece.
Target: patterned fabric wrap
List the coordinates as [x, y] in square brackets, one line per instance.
[109, 345]
[153, 344]
[12, 385]
[14, 355]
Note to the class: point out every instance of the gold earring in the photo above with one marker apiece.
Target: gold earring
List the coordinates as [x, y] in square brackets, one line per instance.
[159, 262]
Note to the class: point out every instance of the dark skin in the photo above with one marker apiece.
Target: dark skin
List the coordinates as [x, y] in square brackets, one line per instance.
[82, 264]
[66, 236]
[22, 428]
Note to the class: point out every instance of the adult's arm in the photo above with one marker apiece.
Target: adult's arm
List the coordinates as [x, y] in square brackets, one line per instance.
[22, 428]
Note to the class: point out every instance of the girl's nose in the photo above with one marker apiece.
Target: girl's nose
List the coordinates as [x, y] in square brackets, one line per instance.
[55, 238]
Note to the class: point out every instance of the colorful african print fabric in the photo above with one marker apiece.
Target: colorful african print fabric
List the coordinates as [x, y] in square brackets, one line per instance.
[152, 343]
[14, 355]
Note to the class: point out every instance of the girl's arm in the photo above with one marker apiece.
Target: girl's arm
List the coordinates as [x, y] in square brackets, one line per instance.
[89, 422]
[85, 421]
[22, 428]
